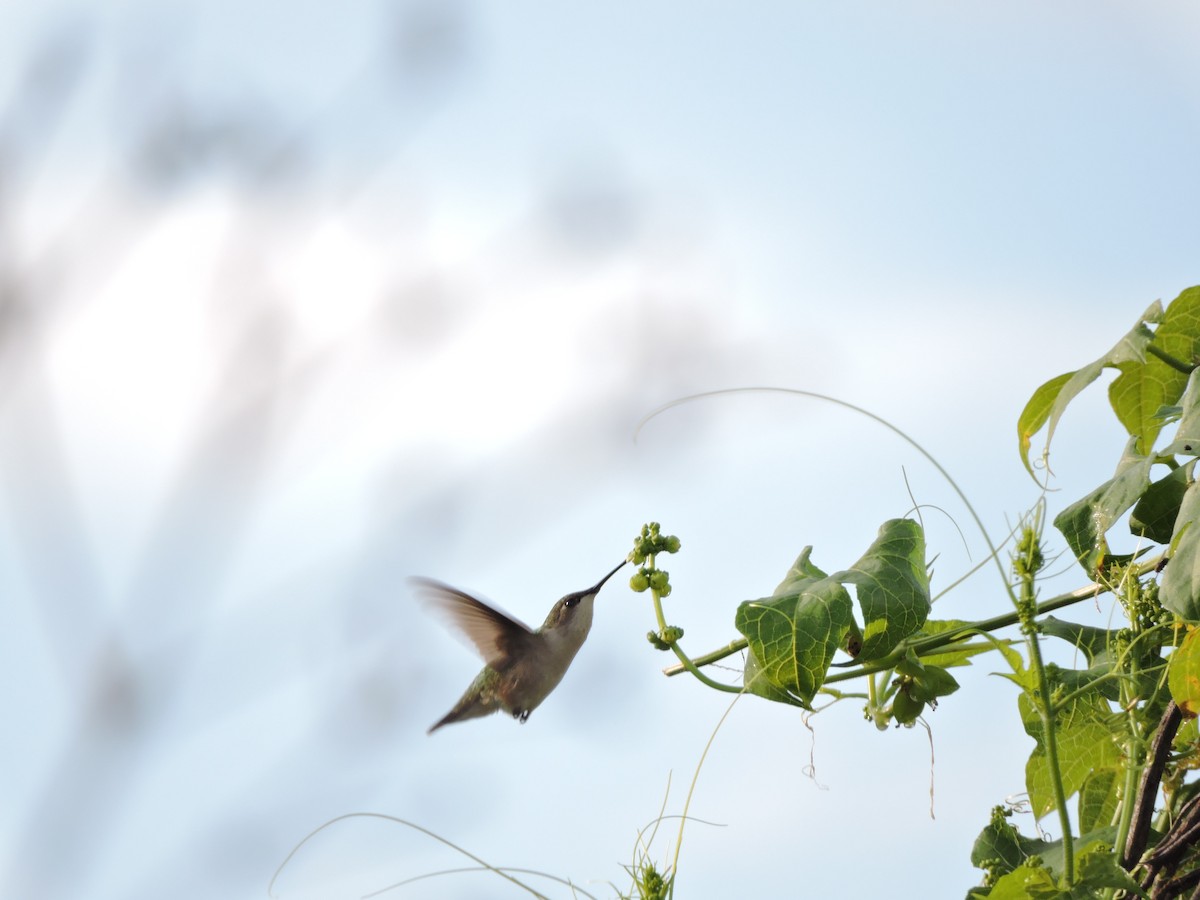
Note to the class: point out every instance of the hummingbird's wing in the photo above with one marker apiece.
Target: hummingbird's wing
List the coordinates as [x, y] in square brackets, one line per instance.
[496, 635]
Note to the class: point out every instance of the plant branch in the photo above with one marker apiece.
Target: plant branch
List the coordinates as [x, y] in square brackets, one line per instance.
[708, 658]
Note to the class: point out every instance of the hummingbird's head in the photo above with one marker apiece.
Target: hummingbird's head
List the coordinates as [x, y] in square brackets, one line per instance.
[574, 611]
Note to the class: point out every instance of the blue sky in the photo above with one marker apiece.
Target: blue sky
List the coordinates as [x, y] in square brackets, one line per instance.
[320, 300]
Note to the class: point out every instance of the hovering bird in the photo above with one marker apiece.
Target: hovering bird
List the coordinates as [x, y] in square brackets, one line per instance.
[522, 665]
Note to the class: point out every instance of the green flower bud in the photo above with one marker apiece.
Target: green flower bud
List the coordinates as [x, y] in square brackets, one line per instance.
[659, 643]
[672, 633]
[905, 709]
[658, 580]
[639, 582]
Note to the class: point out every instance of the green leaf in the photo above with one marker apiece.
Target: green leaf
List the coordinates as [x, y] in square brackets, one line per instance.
[892, 587]
[1187, 435]
[1050, 401]
[1098, 867]
[1183, 673]
[1146, 383]
[1085, 743]
[793, 637]
[1037, 410]
[1155, 513]
[1098, 798]
[1179, 589]
[1085, 522]
[1001, 848]
[793, 634]
[1026, 883]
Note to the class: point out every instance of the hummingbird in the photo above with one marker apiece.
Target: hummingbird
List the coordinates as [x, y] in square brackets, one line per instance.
[522, 665]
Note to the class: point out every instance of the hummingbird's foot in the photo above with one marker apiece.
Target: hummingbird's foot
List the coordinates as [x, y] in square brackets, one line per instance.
[521, 715]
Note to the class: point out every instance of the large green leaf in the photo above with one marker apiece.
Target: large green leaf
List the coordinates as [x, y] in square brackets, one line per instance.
[1085, 742]
[892, 586]
[1086, 521]
[1146, 383]
[1050, 401]
[1001, 849]
[793, 634]
[793, 637]
[1179, 590]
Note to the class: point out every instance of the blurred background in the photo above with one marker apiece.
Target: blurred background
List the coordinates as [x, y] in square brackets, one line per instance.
[297, 301]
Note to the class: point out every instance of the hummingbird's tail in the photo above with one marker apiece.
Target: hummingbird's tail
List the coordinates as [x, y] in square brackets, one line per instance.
[448, 718]
[471, 706]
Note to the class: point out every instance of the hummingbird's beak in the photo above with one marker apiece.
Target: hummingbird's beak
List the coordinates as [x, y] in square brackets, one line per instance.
[600, 583]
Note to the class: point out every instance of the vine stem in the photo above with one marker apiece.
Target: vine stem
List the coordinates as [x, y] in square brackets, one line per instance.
[798, 392]
[1027, 561]
[687, 665]
[1049, 735]
[687, 803]
[483, 864]
[685, 661]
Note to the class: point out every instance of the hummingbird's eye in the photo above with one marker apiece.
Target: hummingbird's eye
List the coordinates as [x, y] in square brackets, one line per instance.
[570, 602]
